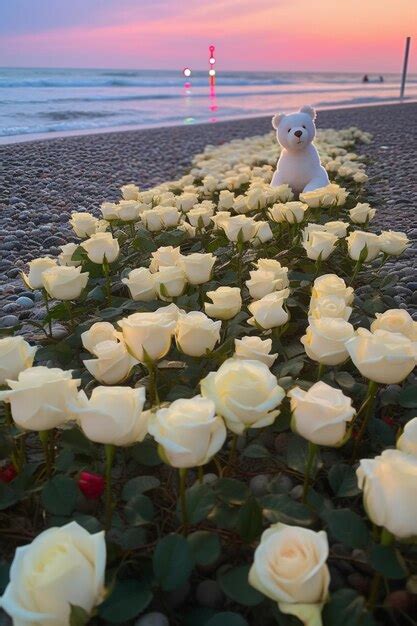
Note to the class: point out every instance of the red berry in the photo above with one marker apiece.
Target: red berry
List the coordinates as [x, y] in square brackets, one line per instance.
[91, 485]
[7, 473]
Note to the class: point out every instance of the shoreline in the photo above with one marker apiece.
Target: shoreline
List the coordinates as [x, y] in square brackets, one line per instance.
[8, 140]
[43, 182]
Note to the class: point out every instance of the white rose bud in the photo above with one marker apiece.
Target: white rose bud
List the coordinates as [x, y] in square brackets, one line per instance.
[61, 567]
[263, 233]
[239, 227]
[393, 242]
[149, 333]
[220, 219]
[167, 199]
[256, 199]
[337, 228]
[255, 349]
[245, 393]
[152, 220]
[291, 212]
[101, 245]
[84, 224]
[269, 312]
[130, 192]
[169, 215]
[356, 242]
[226, 200]
[383, 357]
[65, 257]
[64, 283]
[362, 213]
[290, 567]
[226, 302]
[282, 193]
[186, 201]
[280, 273]
[321, 414]
[407, 442]
[261, 283]
[240, 205]
[169, 282]
[129, 210]
[109, 211]
[40, 397]
[396, 321]
[197, 267]
[188, 431]
[200, 216]
[389, 483]
[113, 415]
[165, 256]
[319, 244]
[209, 184]
[36, 268]
[196, 334]
[98, 332]
[113, 363]
[16, 355]
[360, 177]
[332, 285]
[325, 340]
[140, 284]
[329, 306]
[170, 312]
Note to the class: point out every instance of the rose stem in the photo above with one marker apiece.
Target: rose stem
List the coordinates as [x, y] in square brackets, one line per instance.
[200, 473]
[183, 500]
[320, 371]
[370, 403]
[44, 436]
[233, 446]
[386, 539]
[46, 300]
[109, 452]
[106, 272]
[312, 451]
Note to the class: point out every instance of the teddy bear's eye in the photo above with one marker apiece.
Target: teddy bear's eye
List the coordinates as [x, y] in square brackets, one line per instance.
[289, 130]
[304, 126]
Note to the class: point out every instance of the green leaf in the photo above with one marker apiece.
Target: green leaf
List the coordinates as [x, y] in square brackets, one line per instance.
[59, 495]
[205, 547]
[132, 538]
[388, 561]
[346, 608]
[138, 485]
[139, 510]
[408, 397]
[235, 584]
[8, 496]
[231, 490]
[146, 453]
[343, 481]
[345, 380]
[249, 521]
[200, 501]
[224, 515]
[78, 616]
[4, 575]
[75, 440]
[282, 508]
[89, 522]
[198, 616]
[227, 619]
[256, 451]
[347, 527]
[297, 454]
[172, 561]
[126, 601]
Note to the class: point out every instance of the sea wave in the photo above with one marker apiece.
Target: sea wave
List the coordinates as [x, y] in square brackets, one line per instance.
[120, 82]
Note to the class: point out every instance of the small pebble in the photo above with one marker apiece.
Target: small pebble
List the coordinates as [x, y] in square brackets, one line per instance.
[152, 619]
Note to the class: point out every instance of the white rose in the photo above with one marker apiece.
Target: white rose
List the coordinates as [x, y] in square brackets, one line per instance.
[407, 442]
[261, 283]
[240, 205]
[325, 340]
[396, 321]
[129, 210]
[332, 285]
[329, 306]
[83, 224]
[64, 283]
[109, 211]
[220, 219]
[209, 184]
[149, 333]
[164, 256]
[140, 284]
[65, 256]
[256, 199]
[337, 228]
[356, 242]
[36, 268]
[196, 333]
[255, 349]
[382, 356]
[113, 363]
[393, 242]
[169, 215]
[169, 282]
[188, 431]
[362, 213]
[321, 414]
[189, 230]
[101, 245]
[113, 415]
[40, 397]
[389, 484]
[319, 244]
[200, 216]
[239, 227]
[226, 302]
[226, 200]
[166, 199]
[186, 201]
[98, 332]
[360, 177]
[263, 233]
[290, 567]
[16, 355]
[152, 220]
[282, 193]
[130, 192]
[245, 393]
[280, 273]
[197, 267]
[61, 567]
[291, 212]
[269, 312]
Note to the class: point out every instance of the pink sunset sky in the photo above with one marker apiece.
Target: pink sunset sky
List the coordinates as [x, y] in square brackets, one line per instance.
[286, 35]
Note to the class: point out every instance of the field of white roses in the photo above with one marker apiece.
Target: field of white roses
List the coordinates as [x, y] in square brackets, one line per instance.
[225, 436]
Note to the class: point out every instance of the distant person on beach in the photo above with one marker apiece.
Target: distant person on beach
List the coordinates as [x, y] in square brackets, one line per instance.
[365, 79]
[381, 79]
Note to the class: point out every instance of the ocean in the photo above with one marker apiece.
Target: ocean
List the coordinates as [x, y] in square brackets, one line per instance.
[55, 102]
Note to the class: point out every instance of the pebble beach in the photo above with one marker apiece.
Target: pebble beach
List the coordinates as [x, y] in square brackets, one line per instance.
[43, 182]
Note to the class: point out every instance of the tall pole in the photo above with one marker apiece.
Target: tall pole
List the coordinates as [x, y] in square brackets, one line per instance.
[404, 76]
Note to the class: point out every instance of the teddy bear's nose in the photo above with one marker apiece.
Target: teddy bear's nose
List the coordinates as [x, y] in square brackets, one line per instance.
[298, 133]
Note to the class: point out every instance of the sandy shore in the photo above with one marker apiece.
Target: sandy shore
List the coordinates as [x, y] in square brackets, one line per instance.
[42, 182]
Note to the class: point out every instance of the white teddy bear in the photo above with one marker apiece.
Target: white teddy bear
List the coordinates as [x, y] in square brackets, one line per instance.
[299, 163]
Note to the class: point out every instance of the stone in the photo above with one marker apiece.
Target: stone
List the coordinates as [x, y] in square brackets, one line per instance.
[8, 320]
[152, 619]
[209, 594]
[24, 302]
[259, 485]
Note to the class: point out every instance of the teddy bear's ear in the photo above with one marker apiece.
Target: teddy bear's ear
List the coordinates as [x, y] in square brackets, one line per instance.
[277, 119]
[310, 111]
